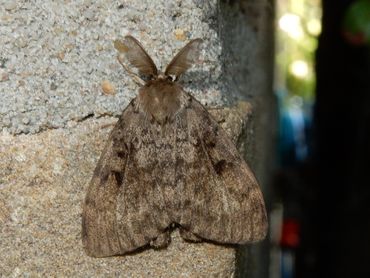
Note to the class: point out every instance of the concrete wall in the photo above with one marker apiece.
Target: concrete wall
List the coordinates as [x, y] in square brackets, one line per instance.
[55, 116]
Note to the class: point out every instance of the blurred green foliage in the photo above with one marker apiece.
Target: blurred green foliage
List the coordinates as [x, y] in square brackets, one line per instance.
[299, 24]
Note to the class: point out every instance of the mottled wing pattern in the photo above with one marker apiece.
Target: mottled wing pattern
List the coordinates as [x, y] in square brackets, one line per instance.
[186, 172]
[136, 55]
[124, 207]
[187, 56]
[220, 198]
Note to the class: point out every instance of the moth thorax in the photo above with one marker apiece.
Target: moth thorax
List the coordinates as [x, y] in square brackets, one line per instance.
[160, 100]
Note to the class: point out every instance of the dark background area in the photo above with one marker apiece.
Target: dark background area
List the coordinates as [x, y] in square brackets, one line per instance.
[335, 194]
[342, 120]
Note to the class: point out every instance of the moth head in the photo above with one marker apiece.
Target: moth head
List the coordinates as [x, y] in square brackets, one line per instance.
[162, 76]
[135, 54]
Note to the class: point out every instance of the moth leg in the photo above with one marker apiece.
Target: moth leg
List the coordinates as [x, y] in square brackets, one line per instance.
[162, 241]
[134, 76]
[189, 236]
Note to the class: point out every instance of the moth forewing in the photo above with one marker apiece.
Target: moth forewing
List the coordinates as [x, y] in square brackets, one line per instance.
[168, 163]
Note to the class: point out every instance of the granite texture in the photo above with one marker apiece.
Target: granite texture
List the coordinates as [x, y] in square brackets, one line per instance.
[55, 56]
[43, 178]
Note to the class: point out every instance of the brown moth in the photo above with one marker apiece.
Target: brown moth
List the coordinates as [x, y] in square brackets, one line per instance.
[167, 164]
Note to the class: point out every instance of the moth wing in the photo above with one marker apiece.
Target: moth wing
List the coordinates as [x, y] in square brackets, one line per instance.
[221, 199]
[119, 213]
[186, 57]
[136, 55]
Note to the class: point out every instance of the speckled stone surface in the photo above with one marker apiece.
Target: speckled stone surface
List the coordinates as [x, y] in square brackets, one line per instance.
[55, 55]
[43, 178]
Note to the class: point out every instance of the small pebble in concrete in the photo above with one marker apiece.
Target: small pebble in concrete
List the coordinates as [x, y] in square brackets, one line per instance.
[108, 88]
[180, 34]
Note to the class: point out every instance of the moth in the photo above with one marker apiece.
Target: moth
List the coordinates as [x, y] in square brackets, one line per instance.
[168, 164]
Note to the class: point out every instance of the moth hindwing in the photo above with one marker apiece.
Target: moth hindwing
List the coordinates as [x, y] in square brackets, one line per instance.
[168, 163]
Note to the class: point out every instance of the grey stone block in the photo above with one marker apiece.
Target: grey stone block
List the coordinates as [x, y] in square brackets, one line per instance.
[43, 179]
